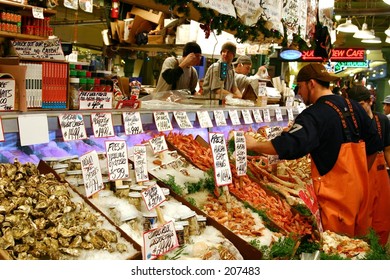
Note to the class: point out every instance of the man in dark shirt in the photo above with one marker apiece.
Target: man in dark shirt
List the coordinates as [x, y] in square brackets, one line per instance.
[342, 142]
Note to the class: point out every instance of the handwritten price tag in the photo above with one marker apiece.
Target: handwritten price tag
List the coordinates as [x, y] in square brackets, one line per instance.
[118, 164]
[1, 131]
[289, 101]
[72, 127]
[92, 175]
[140, 163]
[290, 114]
[267, 116]
[102, 125]
[162, 120]
[182, 119]
[7, 93]
[240, 148]
[132, 123]
[278, 114]
[204, 119]
[257, 115]
[246, 114]
[159, 241]
[153, 196]
[222, 172]
[233, 114]
[219, 117]
[95, 100]
[158, 144]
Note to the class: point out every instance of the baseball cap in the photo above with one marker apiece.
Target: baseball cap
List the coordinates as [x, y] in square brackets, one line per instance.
[359, 93]
[315, 71]
[243, 59]
[386, 100]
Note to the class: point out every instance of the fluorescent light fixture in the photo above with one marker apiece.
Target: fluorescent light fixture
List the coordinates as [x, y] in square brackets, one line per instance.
[347, 27]
[364, 33]
[290, 54]
[387, 31]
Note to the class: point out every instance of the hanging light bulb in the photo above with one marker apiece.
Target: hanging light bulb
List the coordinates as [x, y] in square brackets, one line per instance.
[387, 31]
[348, 27]
[387, 40]
[387, 1]
[364, 33]
[375, 40]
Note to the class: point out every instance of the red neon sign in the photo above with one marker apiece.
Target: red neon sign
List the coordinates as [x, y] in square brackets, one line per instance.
[350, 54]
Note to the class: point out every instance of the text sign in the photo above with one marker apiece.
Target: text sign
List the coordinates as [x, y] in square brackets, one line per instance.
[92, 175]
[204, 119]
[158, 144]
[342, 65]
[7, 94]
[140, 163]
[219, 117]
[233, 114]
[162, 120]
[257, 115]
[222, 172]
[118, 164]
[102, 125]
[278, 114]
[95, 100]
[72, 127]
[132, 123]
[240, 148]
[42, 49]
[182, 119]
[290, 114]
[350, 54]
[267, 116]
[159, 241]
[246, 115]
[153, 196]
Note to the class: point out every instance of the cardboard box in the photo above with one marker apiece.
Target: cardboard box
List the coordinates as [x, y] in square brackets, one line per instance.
[19, 74]
[139, 25]
[155, 39]
[152, 16]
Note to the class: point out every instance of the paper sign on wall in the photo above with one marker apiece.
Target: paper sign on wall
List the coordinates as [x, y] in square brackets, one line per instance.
[233, 114]
[257, 115]
[159, 241]
[95, 100]
[158, 144]
[102, 125]
[162, 120]
[182, 119]
[140, 163]
[240, 148]
[92, 175]
[246, 115]
[153, 196]
[219, 117]
[72, 127]
[222, 172]
[1, 131]
[33, 129]
[118, 164]
[204, 119]
[132, 123]
[42, 49]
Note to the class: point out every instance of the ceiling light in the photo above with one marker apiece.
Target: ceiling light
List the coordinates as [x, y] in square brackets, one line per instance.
[337, 17]
[387, 31]
[387, 1]
[375, 40]
[387, 40]
[347, 27]
[364, 33]
[290, 54]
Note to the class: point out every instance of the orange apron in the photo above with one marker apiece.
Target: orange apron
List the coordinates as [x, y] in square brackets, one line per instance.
[342, 192]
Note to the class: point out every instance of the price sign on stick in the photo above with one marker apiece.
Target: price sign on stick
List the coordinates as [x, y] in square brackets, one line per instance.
[246, 114]
[118, 164]
[153, 196]
[234, 117]
[162, 120]
[257, 115]
[158, 144]
[92, 174]
[159, 241]
[219, 117]
[182, 119]
[102, 125]
[132, 123]
[240, 148]
[222, 172]
[204, 119]
[72, 127]
[140, 163]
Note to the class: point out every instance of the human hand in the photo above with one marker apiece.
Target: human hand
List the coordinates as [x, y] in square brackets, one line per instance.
[191, 59]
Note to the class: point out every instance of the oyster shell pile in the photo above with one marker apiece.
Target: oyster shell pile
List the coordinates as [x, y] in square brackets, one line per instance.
[38, 219]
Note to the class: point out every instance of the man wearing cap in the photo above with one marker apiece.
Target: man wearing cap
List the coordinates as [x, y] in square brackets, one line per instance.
[179, 73]
[379, 190]
[330, 130]
[242, 67]
[386, 106]
[213, 84]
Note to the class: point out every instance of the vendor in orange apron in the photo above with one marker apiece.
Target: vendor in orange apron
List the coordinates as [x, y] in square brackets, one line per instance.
[341, 199]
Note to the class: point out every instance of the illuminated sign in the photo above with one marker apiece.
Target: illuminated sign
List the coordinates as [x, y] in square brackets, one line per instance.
[350, 54]
[340, 66]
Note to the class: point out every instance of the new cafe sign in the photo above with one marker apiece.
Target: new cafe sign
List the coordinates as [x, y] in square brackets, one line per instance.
[350, 54]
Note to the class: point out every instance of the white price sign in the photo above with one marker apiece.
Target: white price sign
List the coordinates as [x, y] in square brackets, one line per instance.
[234, 117]
[140, 163]
[204, 119]
[246, 114]
[132, 123]
[240, 148]
[222, 171]
[118, 164]
[1, 131]
[102, 125]
[95, 100]
[267, 116]
[290, 114]
[278, 114]
[219, 117]
[182, 119]
[162, 120]
[158, 144]
[72, 127]
[153, 196]
[257, 115]
[92, 175]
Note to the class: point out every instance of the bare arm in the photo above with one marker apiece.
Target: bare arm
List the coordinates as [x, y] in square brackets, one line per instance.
[259, 147]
